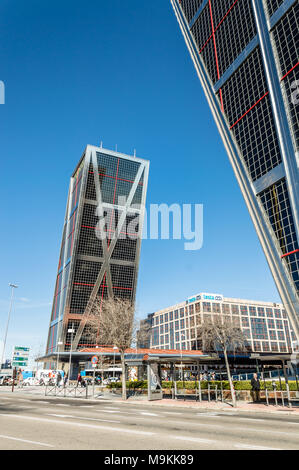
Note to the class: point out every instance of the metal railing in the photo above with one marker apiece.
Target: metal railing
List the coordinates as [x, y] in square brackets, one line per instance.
[66, 392]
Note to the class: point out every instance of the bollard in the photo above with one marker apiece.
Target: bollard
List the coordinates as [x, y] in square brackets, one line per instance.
[289, 396]
[282, 398]
[267, 398]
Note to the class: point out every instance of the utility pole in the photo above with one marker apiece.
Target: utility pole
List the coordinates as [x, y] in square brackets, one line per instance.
[71, 331]
[13, 286]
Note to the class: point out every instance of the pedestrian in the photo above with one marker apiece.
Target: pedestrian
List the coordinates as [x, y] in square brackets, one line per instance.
[20, 378]
[255, 388]
[66, 376]
[58, 379]
[79, 380]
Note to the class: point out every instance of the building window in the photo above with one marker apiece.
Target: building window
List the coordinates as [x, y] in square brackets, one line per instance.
[177, 325]
[235, 309]
[216, 308]
[192, 322]
[272, 334]
[182, 324]
[206, 306]
[170, 316]
[181, 312]
[225, 309]
[274, 346]
[259, 328]
[281, 336]
[261, 311]
[197, 307]
[166, 317]
[245, 322]
[257, 346]
[244, 310]
[266, 347]
[247, 334]
[269, 312]
[161, 330]
[191, 309]
[279, 325]
[155, 336]
[277, 313]
[176, 314]
[252, 311]
[271, 324]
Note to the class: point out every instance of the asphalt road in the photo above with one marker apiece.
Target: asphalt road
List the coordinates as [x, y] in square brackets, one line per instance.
[37, 422]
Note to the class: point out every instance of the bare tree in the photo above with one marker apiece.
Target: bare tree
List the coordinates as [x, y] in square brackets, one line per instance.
[223, 334]
[111, 322]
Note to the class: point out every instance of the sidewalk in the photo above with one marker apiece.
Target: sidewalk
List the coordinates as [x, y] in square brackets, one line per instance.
[215, 406]
[242, 407]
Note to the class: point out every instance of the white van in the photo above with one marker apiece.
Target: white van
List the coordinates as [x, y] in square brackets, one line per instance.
[46, 375]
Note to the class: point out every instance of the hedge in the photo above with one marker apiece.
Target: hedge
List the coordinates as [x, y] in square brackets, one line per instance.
[238, 385]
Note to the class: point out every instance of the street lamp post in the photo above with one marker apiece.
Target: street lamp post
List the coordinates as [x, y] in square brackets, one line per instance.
[182, 334]
[59, 343]
[114, 349]
[70, 330]
[13, 286]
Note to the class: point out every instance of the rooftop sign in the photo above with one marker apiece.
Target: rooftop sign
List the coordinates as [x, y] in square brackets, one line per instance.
[205, 296]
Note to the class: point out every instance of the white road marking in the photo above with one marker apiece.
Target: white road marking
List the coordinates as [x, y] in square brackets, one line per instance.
[171, 413]
[148, 414]
[236, 428]
[192, 439]
[62, 404]
[111, 408]
[82, 417]
[86, 406]
[82, 425]
[253, 447]
[60, 416]
[26, 441]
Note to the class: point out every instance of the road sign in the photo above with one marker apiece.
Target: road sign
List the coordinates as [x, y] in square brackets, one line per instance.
[94, 360]
[20, 356]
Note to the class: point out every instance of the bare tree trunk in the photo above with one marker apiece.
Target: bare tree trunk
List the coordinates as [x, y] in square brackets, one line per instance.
[123, 366]
[230, 379]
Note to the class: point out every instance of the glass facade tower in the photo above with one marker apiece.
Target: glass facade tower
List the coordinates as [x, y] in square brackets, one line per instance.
[246, 55]
[101, 241]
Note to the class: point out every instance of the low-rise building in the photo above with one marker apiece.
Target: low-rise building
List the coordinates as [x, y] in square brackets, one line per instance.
[265, 324]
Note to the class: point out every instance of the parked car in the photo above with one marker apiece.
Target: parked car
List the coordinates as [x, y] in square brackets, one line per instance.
[5, 379]
[110, 380]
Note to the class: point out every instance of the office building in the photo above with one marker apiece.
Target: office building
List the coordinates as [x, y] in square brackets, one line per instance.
[101, 240]
[265, 324]
[246, 56]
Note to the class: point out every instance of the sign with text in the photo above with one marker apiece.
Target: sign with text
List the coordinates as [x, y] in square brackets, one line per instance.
[20, 356]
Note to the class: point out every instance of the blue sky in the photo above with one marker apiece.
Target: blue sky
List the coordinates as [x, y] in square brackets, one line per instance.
[119, 72]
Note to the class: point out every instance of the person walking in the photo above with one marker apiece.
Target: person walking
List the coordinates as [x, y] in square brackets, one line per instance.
[66, 376]
[79, 380]
[255, 388]
[20, 378]
[58, 379]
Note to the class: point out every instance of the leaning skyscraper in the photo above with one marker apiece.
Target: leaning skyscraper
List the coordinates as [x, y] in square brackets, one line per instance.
[246, 55]
[101, 240]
